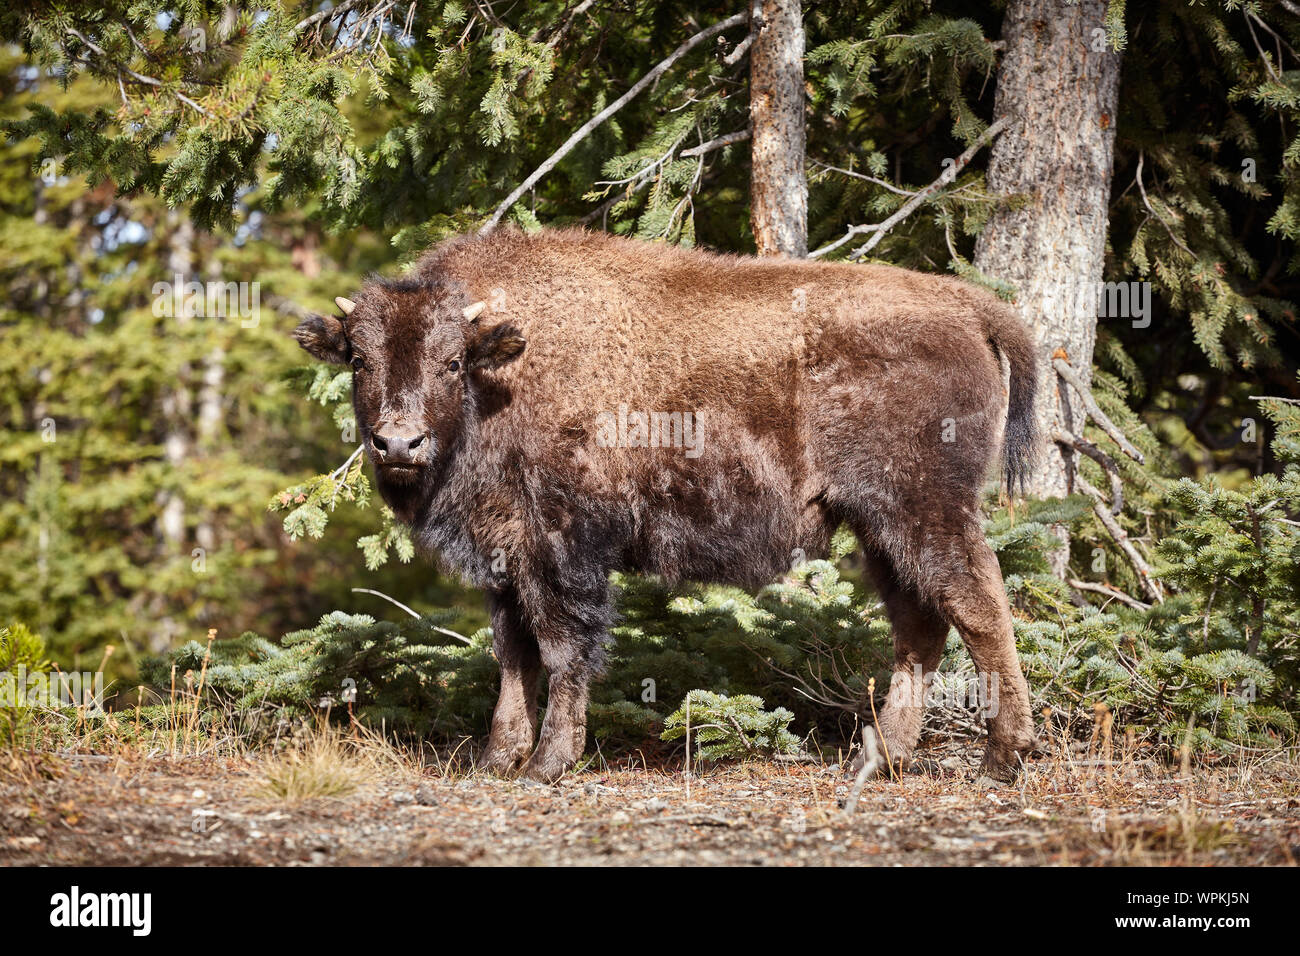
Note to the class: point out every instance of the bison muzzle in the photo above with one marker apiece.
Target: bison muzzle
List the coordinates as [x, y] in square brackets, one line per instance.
[543, 409]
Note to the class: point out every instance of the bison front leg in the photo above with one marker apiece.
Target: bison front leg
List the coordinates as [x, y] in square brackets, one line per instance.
[564, 730]
[919, 634]
[571, 631]
[515, 718]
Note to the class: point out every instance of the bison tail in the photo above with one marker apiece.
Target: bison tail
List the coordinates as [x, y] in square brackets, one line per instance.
[1008, 336]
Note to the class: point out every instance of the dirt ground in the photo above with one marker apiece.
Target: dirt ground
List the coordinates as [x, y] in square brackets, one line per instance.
[114, 810]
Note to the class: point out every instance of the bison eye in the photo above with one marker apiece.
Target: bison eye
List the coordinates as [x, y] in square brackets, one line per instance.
[453, 366]
[358, 363]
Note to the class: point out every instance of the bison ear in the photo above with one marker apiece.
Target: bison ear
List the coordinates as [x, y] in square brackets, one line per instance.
[494, 347]
[324, 337]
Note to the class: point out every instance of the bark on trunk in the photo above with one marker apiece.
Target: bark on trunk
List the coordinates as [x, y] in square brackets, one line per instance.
[212, 412]
[177, 413]
[779, 188]
[1058, 84]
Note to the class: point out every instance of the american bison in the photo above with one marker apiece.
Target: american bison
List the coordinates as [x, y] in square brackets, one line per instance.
[542, 409]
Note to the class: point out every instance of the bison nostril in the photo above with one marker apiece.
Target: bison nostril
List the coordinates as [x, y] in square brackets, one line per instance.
[416, 442]
[379, 443]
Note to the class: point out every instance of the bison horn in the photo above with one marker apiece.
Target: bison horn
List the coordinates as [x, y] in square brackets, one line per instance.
[472, 312]
[345, 305]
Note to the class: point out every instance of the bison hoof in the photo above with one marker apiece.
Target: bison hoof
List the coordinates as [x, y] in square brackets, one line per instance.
[875, 754]
[547, 768]
[504, 760]
[879, 767]
[1003, 763]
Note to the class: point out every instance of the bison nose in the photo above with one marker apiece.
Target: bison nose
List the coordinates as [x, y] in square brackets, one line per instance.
[397, 444]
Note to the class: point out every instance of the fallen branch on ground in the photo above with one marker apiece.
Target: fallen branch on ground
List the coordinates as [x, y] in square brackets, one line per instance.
[694, 819]
[871, 763]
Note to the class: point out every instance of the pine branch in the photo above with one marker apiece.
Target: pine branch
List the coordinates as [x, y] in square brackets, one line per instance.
[612, 201]
[640, 179]
[592, 124]
[123, 69]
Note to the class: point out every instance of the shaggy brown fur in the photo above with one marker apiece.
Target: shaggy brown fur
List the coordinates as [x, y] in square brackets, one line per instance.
[821, 393]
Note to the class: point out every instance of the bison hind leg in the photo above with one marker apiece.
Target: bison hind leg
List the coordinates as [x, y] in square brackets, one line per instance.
[965, 584]
[919, 633]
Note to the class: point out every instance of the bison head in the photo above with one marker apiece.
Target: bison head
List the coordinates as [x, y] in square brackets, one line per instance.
[415, 348]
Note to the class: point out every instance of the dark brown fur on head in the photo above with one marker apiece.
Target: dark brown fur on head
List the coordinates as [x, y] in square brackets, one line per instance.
[415, 356]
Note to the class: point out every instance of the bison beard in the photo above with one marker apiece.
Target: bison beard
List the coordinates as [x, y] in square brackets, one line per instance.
[820, 394]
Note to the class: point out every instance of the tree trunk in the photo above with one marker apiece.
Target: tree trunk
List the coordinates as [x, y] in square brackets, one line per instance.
[176, 412]
[1059, 85]
[211, 402]
[779, 188]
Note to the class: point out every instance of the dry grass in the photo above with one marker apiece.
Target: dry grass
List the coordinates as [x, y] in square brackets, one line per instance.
[330, 797]
[1186, 838]
[324, 765]
[332, 762]
[185, 720]
[1095, 798]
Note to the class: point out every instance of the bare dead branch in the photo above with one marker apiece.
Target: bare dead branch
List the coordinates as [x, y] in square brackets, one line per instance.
[879, 230]
[714, 144]
[755, 28]
[342, 469]
[1067, 372]
[1118, 595]
[394, 601]
[329, 14]
[558, 35]
[1264, 58]
[1100, 457]
[1142, 189]
[1150, 585]
[586, 128]
[865, 178]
